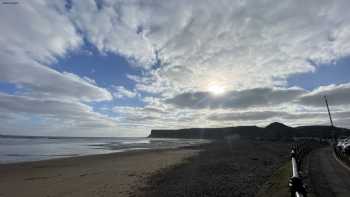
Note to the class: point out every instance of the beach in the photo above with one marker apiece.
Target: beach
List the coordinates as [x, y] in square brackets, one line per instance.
[226, 168]
[117, 174]
[222, 168]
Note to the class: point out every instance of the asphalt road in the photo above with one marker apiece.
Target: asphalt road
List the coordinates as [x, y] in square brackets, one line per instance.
[327, 177]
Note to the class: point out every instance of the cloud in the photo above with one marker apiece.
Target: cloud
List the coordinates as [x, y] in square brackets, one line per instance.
[40, 80]
[24, 104]
[244, 116]
[237, 44]
[336, 94]
[33, 36]
[181, 48]
[110, 31]
[236, 99]
[253, 106]
[293, 105]
[25, 115]
[53, 115]
[265, 115]
[153, 116]
[37, 30]
[137, 114]
[122, 92]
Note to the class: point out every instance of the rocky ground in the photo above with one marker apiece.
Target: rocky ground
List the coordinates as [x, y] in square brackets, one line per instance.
[223, 168]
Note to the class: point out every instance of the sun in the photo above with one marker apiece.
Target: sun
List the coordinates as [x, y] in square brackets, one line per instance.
[216, 90]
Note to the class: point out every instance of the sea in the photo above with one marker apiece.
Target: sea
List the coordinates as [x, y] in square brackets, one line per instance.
[15, 149]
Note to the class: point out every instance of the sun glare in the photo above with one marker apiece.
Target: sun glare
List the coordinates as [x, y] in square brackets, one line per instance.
[216, 90]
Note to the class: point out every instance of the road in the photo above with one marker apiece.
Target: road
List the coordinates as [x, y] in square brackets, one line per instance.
[327, 177]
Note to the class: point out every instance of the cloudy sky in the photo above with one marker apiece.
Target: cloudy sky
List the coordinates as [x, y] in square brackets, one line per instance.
[122, 68]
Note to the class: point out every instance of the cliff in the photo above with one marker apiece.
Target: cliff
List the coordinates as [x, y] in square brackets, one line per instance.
[274, 131]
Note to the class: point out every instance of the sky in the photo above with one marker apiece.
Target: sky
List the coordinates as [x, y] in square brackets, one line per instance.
[124, 67]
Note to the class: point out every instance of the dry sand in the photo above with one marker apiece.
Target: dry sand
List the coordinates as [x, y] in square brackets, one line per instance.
[99, 175]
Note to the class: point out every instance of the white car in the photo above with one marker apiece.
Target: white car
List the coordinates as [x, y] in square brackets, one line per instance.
[344, 145]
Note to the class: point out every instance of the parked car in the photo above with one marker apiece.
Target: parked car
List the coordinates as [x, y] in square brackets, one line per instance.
[344, 145]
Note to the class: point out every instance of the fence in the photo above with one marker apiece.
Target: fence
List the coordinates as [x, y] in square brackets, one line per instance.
[296, 185]
[341, 155]
[299, 151]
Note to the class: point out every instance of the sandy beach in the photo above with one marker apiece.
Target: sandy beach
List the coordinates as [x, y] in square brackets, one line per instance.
[221, 168]
[98, 175]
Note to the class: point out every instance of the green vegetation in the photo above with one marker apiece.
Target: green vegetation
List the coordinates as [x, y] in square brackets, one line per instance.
[277, 185]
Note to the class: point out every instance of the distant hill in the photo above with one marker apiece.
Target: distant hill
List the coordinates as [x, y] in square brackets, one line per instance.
[274, 131]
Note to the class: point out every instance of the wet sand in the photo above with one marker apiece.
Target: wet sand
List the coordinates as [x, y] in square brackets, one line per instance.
[98, 175]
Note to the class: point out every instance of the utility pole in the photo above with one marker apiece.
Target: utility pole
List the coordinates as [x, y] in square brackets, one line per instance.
[329, 112]
[330, 119]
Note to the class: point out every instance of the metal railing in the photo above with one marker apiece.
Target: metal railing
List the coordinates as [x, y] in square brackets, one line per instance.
[299, 151]
[296, 185]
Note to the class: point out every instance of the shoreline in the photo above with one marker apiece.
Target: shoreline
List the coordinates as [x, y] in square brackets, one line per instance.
[83, 156]
[10, 155]
[113, 174]
[124, 151]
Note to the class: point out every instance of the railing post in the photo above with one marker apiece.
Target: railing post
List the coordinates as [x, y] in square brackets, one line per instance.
[296, 185]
